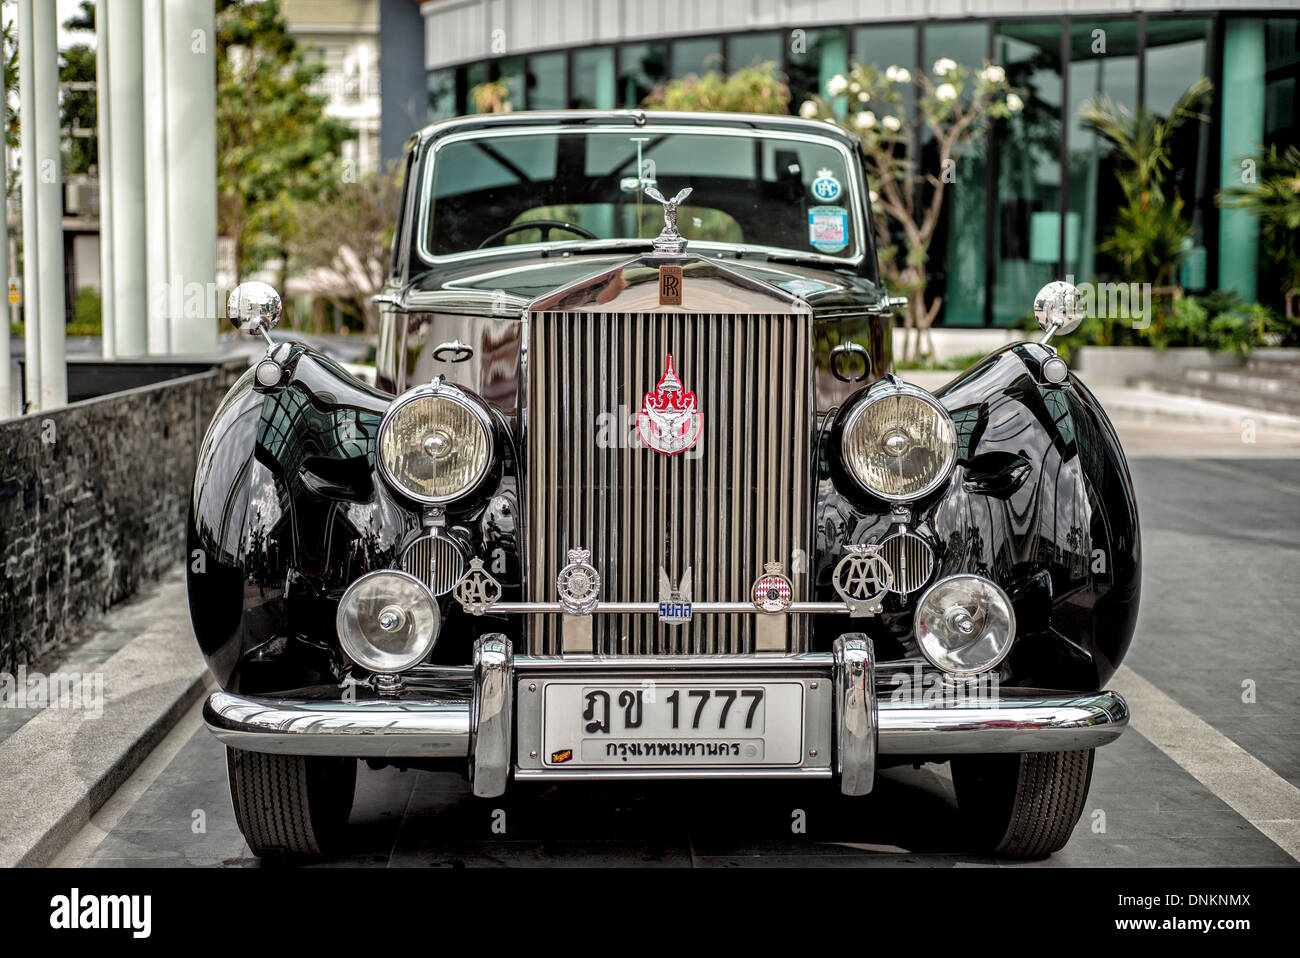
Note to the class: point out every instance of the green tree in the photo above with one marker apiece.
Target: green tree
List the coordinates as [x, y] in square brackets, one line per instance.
[276, 148]
[756, 89]
[10, 57]
[341, 245]
[1148, 236]
[1275, 201]
[954, 105]
[80, 97]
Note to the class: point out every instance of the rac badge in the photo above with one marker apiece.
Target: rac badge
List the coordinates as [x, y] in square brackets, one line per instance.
[668, 421]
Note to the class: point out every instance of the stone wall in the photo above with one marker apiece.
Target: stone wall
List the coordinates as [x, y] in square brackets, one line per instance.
[93, 501]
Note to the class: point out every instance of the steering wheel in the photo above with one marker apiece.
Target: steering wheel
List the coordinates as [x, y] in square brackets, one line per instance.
[544, 225]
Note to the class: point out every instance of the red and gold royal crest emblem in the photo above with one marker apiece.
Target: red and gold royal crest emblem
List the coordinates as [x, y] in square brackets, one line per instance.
[669, 421]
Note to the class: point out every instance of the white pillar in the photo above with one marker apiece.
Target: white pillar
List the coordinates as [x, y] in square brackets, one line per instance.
[189, 34]
[126, 104]
[6, 383]
[27, 132]
[155, 165]
[49, 206]
[104, 160]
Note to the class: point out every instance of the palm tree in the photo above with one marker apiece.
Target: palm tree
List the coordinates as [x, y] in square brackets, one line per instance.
[1275, 202]
[1148, 234]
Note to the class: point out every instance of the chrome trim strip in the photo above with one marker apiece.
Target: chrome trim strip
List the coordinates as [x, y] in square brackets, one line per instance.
[652, 608]
[435, 722]
[572, 775]
[492, 715]
[434, 726]
[855, 713]
[1014, 722]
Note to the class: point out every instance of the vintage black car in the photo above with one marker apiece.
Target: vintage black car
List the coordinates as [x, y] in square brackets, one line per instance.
[637, 495]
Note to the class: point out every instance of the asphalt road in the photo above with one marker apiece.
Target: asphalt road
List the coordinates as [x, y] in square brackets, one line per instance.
[1208, 774]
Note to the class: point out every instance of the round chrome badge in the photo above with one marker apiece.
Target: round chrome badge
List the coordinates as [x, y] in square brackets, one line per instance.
[477, 591]
[578, 584]
[862, 577]
[772, 590]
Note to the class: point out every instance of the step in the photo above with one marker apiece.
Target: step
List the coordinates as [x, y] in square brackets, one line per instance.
[1268, 365]
[1270, 402]
[1243, 379]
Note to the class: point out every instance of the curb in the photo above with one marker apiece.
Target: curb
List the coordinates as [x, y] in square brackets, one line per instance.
[64, 764]
[1152, 406]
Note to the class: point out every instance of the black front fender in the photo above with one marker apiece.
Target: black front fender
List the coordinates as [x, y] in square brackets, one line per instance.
[285, 514]
[1040, 502]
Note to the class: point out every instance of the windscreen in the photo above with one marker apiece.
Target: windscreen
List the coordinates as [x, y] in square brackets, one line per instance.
[501, 189]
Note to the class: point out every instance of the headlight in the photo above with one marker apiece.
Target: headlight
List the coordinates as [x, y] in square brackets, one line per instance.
[435, 444]
[899, 443]
[965, 624]
[387, 621]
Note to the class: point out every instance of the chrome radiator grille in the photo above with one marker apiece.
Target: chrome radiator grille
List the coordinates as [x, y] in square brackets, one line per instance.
[739, 499]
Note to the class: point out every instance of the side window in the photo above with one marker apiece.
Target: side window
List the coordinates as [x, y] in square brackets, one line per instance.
[395, 263]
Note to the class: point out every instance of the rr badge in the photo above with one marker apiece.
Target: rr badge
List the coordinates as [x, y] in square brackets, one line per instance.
[670, 286]
[668, 421]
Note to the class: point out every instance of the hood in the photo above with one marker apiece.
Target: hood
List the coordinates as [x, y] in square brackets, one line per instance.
[504, 284]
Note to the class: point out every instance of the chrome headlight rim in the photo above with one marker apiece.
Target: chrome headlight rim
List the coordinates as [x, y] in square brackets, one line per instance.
[438, 390]
[344, 634]
[878, 392]
[1011, 625]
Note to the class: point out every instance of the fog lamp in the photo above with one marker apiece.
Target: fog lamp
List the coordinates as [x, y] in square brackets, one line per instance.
[965, 624]
[387, 621]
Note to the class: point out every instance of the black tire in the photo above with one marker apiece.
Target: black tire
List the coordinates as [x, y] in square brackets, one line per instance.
[1022, 805]
[291, 806]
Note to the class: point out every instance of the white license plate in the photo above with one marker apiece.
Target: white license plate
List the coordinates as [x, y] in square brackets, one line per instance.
[655, 723]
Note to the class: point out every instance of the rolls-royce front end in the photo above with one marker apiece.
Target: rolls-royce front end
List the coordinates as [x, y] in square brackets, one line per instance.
[617, 508]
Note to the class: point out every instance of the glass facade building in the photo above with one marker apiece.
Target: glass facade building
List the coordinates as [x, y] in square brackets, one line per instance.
[1035, 195]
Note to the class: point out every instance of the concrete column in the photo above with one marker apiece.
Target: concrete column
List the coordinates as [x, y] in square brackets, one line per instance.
[155, 165]
[27, 132]
[1242, 89]
[49, 206]
[190, 41]
[126, 104]
[105, 162]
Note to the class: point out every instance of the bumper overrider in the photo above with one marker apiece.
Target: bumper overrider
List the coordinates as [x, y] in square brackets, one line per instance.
[837, 713]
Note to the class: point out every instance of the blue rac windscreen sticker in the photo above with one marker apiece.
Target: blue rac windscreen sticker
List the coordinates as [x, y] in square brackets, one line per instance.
[826, 187]
[828, 228]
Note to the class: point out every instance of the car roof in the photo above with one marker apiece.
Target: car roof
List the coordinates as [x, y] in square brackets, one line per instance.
[635, 119]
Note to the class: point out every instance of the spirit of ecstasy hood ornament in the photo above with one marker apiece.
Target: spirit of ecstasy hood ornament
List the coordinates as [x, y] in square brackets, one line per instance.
[669, 241]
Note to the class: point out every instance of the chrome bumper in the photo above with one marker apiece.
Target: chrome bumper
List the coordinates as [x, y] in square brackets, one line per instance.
[469, 713]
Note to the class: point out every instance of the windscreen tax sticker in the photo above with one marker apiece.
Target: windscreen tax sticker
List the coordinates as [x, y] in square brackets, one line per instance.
[828, 228]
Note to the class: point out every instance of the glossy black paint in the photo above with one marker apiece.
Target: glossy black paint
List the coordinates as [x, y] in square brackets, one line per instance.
[288, 509]
[1040, 501]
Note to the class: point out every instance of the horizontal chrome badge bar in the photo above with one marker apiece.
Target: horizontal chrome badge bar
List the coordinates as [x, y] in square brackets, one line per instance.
[652, 608]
